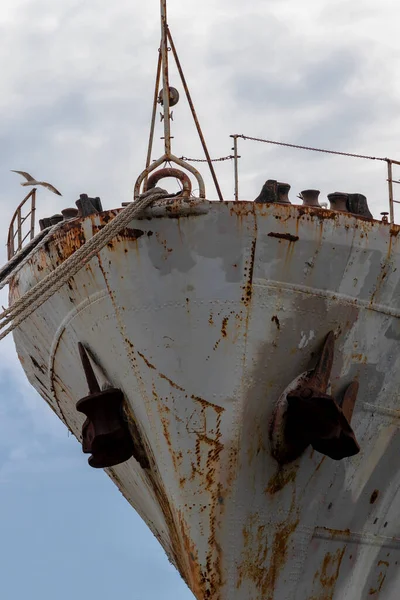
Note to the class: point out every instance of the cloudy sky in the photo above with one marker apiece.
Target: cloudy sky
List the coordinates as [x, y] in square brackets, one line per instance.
[76, 87]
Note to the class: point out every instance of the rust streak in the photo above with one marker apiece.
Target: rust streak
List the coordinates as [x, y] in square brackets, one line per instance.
[224, 325]
[281, 478]
[171, 383]
[148, 363]
[255, 567]
[206, 404]
[329, 573]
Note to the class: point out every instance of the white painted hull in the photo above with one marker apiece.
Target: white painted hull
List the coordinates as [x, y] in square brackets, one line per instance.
[203, 321]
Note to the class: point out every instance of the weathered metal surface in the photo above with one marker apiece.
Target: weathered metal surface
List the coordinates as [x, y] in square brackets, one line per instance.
[310, 197]
[202, 318]
[169, 172]
[306, 415]
[105, 434]
[88, 206]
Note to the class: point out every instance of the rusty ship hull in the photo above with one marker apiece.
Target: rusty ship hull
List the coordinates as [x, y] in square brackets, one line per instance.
[202, 313]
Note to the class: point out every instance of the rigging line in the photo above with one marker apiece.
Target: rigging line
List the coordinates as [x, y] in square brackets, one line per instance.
[204, 160]
[190, 102]
[255, 139]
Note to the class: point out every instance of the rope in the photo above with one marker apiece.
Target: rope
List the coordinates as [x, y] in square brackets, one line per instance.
[254, 139]
[50, 284]
[23, 256]
[204, 160]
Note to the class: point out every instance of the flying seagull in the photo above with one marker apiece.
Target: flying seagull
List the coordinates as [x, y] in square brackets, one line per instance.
[32, 181]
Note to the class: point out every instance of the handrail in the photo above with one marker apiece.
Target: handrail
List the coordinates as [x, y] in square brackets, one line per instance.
[389, 162]
[16, 225]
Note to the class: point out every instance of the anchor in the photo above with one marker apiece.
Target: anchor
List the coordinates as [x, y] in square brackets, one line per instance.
[105, 434]
[307, 415]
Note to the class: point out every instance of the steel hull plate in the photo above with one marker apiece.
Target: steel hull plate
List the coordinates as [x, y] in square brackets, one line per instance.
[203, 320]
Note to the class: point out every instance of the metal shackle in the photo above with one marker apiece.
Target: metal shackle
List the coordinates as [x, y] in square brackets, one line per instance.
[170, 172]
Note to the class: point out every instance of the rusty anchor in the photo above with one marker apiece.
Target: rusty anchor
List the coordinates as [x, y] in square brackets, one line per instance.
[315, 418]
[307, 415]
[105, 434]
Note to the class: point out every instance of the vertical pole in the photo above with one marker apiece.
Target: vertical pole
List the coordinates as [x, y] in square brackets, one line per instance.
[153, 118]
[390, 186]
[19, 230]
[10, 244]
[33, 210]
[236, 166]
[165, 78]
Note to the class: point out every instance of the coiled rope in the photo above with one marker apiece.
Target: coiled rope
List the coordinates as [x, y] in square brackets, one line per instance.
[49, 285]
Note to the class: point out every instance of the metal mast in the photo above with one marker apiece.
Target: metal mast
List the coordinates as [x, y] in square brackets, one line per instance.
[167, 98]
[165, 78]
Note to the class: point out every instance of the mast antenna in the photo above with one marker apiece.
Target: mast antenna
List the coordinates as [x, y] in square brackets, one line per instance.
[168, 97]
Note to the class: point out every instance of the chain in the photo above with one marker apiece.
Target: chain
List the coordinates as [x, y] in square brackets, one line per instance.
[204, 160]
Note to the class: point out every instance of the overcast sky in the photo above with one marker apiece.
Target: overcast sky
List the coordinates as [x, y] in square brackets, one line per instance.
[76, 86]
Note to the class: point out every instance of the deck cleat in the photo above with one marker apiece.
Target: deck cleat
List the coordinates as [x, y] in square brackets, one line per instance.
[310, 198]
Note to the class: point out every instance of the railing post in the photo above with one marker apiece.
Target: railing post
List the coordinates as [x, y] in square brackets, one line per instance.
[19, 230]
[390, 188]
[33, 210]
[10, 244]
[236, 165]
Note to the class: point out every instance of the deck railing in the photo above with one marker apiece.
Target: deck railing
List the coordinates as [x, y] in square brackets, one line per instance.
[22, 225]
[389, 161]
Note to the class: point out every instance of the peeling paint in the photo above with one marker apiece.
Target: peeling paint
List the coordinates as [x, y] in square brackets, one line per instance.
[203, 318]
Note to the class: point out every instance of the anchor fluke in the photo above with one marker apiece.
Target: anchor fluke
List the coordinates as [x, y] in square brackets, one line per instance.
[306, 415]
[105, 434]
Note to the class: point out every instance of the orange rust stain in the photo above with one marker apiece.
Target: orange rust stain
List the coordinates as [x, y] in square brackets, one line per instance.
[171, 383]
[253, 567]
[207, 582]
[359, 357]
[242, 209]
[210, 320]
[381, 580]
[175, 547]
[281, 478]
[206, 404]
[279, 551]
[161, 375]
[248, 272]
[320, 464]
[194, 572]
[148, 363]
[163, 242]
[224, 325]
[383, 562]
[262, 560]
[330, 572]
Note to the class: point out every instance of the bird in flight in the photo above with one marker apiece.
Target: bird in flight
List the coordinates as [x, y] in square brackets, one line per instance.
[31, 181]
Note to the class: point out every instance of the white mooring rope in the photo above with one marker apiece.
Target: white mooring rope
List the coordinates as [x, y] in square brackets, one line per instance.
[49, 285]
